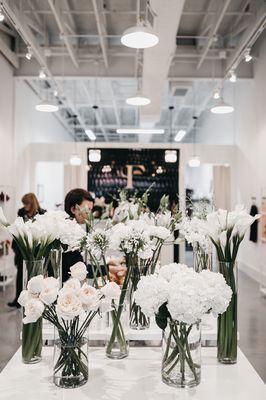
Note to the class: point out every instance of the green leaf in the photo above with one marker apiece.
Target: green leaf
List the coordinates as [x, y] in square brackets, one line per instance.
[162, 316]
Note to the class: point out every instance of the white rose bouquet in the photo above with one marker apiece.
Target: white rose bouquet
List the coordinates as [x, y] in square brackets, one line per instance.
[179, 297]
[71, 310]
[226, 230]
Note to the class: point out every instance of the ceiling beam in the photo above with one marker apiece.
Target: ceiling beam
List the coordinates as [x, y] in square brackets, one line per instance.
[8, 54]
[101, 31]
[54, 5]
[216, 24]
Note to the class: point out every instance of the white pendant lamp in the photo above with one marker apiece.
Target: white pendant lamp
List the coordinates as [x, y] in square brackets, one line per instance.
[170, 156]
[194, 161]
[94, 155]
[180, 135]
[75, 160]
[47, 106]
[138, 100]
[139, 37]
[221, 107]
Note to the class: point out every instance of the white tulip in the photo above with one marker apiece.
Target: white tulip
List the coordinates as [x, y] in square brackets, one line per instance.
[36, 284]
[79, 271]
[33, 311]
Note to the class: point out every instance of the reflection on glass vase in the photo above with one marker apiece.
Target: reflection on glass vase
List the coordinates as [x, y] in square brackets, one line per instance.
[70, 362]
[202, 259]
[138, 319]
[227, 322]
[181, 362]
[32, 333]
[117, 343]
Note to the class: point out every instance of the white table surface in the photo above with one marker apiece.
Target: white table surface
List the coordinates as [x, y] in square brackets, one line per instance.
[137, 377]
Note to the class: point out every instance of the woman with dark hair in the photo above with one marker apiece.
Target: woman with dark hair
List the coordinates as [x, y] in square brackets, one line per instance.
[77, 204]
[31, 207]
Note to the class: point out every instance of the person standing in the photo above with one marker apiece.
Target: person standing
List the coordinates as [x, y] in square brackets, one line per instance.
[31, 207]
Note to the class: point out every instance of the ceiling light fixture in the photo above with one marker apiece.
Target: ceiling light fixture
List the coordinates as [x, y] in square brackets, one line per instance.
[247, 56]
[29, 53]
[139, 131]
[75, 160]
[138, 100]
[139, 37]
[90, 134]
[47, 106]
[55, 93]
[232, 76]
[94, 155]
[170, 156]
[194, 162]
[180, 134]
[216, 94]
[159, 170]
[2, 17]
[42, 74]
[222, 108]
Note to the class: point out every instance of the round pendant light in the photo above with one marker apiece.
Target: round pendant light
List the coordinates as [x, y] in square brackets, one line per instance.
[75, 160]
[94, 155]
[47, 106]
[138, 100]
[170, 156]
[139, 37]
[222, 108]
[194, 162]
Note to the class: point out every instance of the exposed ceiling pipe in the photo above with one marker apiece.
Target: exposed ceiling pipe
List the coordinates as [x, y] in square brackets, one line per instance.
[101, 32]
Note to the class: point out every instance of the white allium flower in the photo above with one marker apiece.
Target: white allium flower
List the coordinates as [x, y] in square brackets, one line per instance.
[194, 232]
[36, 284]
[79, 271]
[164, 219]
[33, 310]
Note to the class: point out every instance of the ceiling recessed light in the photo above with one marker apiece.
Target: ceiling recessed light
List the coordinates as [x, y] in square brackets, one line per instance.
[90, 134]
[139, 131]
[222, 108]
[180, 134]
[139, 37]
[47, 106]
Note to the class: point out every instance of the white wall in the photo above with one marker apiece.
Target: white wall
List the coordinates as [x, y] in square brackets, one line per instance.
[49, 184]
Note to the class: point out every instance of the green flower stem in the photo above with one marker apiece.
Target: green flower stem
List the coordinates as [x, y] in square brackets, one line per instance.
[32, 341]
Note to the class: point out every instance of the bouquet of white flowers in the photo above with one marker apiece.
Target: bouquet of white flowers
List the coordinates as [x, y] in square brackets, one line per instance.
[71, 310]
[179, 297]
[226, 230]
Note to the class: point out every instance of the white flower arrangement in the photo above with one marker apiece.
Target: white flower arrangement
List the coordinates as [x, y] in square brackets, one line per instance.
[187, 295]
[193, 231]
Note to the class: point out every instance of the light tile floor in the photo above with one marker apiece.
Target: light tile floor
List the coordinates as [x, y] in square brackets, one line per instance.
[252, 325]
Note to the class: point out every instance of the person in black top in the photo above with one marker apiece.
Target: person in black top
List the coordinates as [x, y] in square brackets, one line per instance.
[31, 207]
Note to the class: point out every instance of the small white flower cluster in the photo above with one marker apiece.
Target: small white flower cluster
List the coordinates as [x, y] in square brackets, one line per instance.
[188, 295]
[194, 232]
[126, 210]
[71, 301]
[97, 242]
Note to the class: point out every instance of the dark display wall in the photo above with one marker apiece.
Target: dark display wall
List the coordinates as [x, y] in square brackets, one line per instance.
[134, 169]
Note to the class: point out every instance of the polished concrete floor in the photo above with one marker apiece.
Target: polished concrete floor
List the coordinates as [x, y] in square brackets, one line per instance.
[252, 325]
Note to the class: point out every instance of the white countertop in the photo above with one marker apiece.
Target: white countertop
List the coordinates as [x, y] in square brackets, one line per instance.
[137, 377]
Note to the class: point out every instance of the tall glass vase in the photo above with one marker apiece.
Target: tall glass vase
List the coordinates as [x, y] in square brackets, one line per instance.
[32, 333]
[227, 322]
[55, 258]
[138, 319]
[201, 259]
[181, 362]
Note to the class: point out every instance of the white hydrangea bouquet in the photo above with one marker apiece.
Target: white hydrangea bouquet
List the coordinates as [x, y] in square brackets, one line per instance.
[226, 230]
[179, 297]
[71, 310]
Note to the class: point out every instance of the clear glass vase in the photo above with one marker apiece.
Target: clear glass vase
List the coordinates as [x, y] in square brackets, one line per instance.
[227, 322]
[55, 258]
[117, 343]
[32, 333]
[201, 259]
[138, 319]
[181, 359]
[70, 363]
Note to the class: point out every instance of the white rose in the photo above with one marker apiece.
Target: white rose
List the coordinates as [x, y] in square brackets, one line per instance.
[33, 311]
[51, 282]
[111, 291]
[72, 284]
[79, 271]
[89, 296]
[68, 305]
[48, 295]
[35, 284]
[24, 297]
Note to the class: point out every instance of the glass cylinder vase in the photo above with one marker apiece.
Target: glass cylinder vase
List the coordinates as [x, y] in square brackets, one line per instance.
[32, 333]
[55, 258]
[137, 318]
[181, 359]
[227, 322]
[70, 363]
[117, 343]
[201, 259]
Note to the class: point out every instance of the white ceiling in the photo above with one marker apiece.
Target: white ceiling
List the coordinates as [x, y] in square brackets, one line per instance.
[78, 43]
